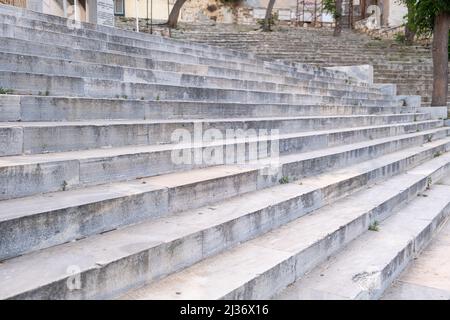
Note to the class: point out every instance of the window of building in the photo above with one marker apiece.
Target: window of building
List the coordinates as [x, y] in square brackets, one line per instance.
[119, 7]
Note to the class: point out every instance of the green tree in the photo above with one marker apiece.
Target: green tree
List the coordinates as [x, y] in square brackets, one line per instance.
[267, 19]
[334, 7]
[432, 17]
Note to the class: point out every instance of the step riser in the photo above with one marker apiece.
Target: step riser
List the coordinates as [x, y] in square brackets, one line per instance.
[386, 60]
[404, 257]
[29, 140]
[35, 64]
[267, 68]
[233, 57]
[43, 50]
[59, 226]
[25, 108]
[30, 179]
[74, 84]
[83, 39]
[401, 237]
[69, 86]
[27, 34]
[112, 279]
[110, 175]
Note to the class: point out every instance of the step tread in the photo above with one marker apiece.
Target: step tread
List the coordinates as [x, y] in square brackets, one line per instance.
[122, 215]
[214, 277]
[108, 122]
[74, 98]
[356, 271]
[22, 207]
[97, 250]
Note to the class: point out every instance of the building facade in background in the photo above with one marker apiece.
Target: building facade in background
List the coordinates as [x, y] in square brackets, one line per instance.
[391, 13]
[94, 11]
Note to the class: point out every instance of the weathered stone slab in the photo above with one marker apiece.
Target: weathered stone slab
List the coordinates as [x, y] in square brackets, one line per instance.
[435, 112]
[363, 73]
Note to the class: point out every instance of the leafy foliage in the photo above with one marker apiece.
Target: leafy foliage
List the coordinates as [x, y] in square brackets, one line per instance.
[421, 14]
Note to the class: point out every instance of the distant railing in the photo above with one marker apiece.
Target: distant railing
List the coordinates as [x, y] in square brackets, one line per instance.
[17, 3]
[309, 11]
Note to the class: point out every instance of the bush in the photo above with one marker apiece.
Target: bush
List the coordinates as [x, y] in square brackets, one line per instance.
[6, 91]
[272, 21]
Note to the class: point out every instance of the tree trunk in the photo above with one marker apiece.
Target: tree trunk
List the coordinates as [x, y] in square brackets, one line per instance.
[350, 14]
[440, 59]
[174, 14]
[270, 5]
[338, 18]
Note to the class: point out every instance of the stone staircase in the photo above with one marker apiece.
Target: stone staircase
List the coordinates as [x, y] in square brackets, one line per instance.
[93, 203]
[410, 67]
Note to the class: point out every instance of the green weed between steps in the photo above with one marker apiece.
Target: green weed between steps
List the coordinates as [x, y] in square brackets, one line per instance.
[374, 226]
[46, 93]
